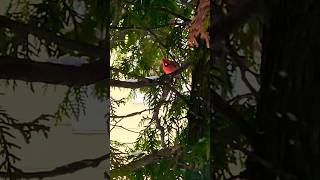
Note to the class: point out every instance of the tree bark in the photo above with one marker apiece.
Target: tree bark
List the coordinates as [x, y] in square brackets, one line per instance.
[199, 107]
[199, 111]
[289, 101]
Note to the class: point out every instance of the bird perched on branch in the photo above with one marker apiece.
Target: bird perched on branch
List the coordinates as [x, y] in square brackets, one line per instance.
[169, 66]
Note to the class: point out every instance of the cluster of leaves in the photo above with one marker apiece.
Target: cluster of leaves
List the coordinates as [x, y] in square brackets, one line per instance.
[74, 103]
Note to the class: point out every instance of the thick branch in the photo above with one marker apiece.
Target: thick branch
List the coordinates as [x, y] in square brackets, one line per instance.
[12, 68]
[65, 169]
[133, 85]
[32, 71]
[146, 160]
[82, 47]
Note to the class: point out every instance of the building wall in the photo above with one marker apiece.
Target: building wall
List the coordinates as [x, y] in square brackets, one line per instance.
[68, 140]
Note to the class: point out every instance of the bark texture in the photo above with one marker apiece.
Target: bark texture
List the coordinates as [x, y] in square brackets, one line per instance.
[289, 100]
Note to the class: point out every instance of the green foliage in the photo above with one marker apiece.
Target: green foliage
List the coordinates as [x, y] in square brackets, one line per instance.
[163, 169]
[101, 90]
[73, 103]
[148, 140]
[142, 33]
[59, 18]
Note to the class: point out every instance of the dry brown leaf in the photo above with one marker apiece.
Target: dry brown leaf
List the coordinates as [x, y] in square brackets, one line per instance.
[197, 24]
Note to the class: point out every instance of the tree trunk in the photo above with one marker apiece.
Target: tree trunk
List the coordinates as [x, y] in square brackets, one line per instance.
[199, 113]
[289, 102]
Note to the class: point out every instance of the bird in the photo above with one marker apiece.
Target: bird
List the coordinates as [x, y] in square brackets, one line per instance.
[168, 66]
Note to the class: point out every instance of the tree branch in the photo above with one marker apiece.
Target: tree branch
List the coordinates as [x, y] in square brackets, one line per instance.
[155, 116]
[164, 9]
[86, 74]
[240, 60]
[142, 27]
[118, 126]
[132, 114]
[65, 169]
[32, 71]
[146, 160]
[12, 68]
[237, 98]
[133, 85]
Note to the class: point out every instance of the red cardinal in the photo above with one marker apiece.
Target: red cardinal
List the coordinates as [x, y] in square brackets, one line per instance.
[168, 66]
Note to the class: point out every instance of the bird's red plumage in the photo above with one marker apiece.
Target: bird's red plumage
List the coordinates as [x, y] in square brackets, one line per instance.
[168, 66]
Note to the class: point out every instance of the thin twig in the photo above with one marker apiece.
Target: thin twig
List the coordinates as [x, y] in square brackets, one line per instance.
[132, 114]
[240, 61]
[239, 97]
[156, 118]
[115, 125]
